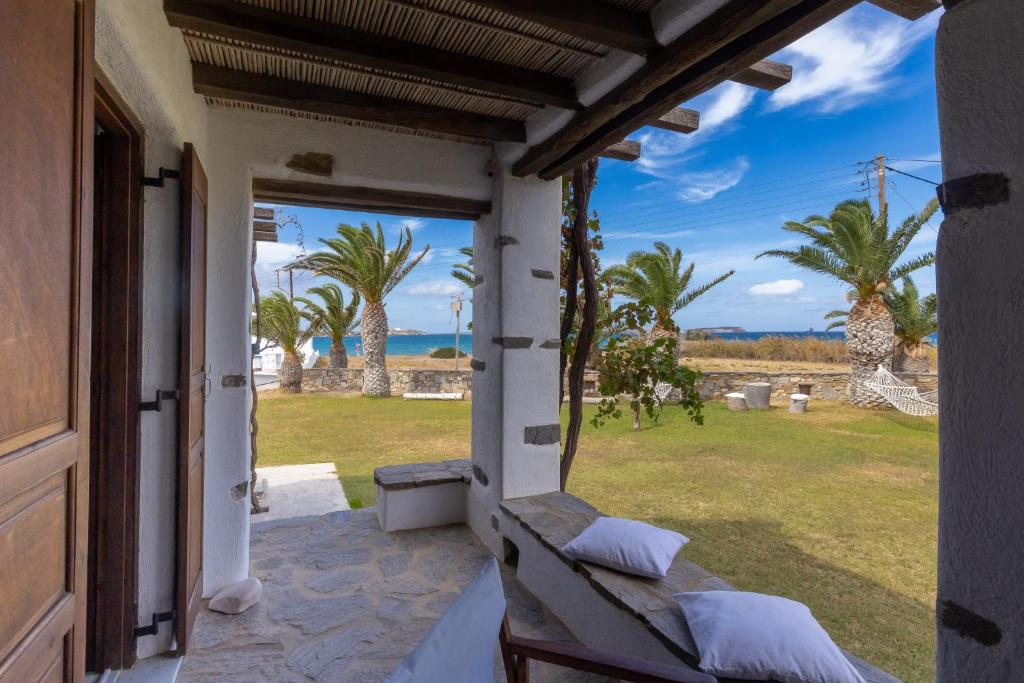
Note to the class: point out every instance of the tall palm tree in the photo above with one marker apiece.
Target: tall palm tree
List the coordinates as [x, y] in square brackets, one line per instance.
[856, 247]
[337, 319]
[464, 272]
[654, 278]
[359, 258]
[289, 327]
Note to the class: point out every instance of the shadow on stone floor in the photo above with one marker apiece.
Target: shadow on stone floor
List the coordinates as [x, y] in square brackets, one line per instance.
[345, 601]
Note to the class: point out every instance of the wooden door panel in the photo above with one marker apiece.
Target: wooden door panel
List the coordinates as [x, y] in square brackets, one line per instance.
[46, 239]
[37, 230]
[193, 381]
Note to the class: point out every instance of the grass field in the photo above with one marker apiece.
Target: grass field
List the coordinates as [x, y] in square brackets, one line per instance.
[835, 508]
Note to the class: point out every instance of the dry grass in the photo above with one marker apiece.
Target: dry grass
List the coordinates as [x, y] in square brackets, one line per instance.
[802, 349]
[423, 362]
[836, 508]
[743, 365]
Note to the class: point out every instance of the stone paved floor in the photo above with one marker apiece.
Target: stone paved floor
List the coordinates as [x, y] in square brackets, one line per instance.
[344, 601]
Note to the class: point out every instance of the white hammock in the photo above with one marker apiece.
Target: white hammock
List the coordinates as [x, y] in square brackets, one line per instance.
[662, 390]
[904, 397]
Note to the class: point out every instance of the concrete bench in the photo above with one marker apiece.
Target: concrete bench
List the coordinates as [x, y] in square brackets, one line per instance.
[603, 608]
[422, 495]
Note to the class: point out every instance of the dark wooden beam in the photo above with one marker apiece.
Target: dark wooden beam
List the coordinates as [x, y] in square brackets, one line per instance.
[370, 199]
[678, 120]
[766, 75]
[264, 226]
[737, 35]
[270, 91]
[232, 20]
[591, 20]
[908, 9]
[263, 213]
[626, 150]
[261, 236]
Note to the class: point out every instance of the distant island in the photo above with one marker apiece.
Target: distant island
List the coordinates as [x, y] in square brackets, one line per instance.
[715, 330]
[399, 332]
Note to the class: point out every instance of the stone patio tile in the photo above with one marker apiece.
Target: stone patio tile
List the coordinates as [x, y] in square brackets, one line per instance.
[345, 602]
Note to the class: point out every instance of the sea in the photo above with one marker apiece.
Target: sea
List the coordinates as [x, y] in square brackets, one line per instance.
[423, 344]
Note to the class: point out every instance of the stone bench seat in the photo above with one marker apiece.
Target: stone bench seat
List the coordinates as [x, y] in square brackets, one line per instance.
[604, 608]
[422, 495]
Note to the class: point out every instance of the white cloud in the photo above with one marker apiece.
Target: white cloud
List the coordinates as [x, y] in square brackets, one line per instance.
[699, 187]
[848, 59]
[777, 288]
[732, 100]
[413, 224]
[645, 234]
[433, 288]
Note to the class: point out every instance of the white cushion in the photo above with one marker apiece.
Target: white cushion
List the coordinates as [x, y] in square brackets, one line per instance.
[762, 637]
[461, 645]
[237, 597]
[799, 397]
[736, 394]
[628, 546]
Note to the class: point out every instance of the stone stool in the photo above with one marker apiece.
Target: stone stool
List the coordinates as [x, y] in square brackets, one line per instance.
[736, 401]
[798, 403]
[759, 394]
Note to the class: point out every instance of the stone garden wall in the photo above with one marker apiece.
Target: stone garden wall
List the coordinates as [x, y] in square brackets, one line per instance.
[402, 380]
[829, 386]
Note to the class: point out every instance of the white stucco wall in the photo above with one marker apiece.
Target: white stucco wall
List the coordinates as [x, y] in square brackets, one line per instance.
[148, 66]
[980, 81]
[514, 388]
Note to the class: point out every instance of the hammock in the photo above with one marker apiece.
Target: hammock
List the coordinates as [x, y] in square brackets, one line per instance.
[904, 397]
[662, 390]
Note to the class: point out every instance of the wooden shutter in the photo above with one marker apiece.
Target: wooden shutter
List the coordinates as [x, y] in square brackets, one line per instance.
[45, 275]
[191, 407]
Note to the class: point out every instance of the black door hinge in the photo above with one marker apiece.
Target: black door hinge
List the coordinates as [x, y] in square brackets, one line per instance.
[161, 395]
[154, 628]
[165, 173]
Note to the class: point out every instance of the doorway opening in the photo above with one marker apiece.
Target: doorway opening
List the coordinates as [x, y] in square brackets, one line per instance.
[116, 372]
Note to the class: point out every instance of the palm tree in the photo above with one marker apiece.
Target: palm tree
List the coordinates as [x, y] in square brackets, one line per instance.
[463, 272]
[337, 319]
[916, 318]
[282, 323]
[653, 278]
[359, 258]
[856, 247]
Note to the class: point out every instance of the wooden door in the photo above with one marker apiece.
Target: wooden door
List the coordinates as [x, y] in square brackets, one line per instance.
[45, 307]
[191, 407]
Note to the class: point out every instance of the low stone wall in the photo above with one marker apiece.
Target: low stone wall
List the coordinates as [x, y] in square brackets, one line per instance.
[830, 386]
[402, 380]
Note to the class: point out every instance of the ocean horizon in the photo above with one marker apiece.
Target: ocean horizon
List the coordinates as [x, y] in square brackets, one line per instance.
[424, 344]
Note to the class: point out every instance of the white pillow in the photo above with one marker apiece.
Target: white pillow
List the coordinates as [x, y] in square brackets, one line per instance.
[237, 597]
[461, 645]
[628, 546]
[762, 637]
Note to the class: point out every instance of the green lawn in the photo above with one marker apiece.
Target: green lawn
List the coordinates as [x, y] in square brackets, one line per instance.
[835, 508]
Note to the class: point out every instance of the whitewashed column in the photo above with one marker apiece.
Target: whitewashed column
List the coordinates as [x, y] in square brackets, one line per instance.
[980, 72]
[515, 348]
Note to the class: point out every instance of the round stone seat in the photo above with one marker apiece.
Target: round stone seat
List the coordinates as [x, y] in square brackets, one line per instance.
[798, 403]
[736, 401]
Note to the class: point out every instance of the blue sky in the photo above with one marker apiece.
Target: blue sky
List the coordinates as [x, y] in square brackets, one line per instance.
[862, 85]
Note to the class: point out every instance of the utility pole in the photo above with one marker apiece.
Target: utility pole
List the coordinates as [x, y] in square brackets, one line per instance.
[291, 284]
[882, 206]
[457, 309]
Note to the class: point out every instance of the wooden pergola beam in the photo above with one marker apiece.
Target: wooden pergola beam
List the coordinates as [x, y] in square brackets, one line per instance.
[369, 199]
[262, 213]
[737, 35]
[228, 19]
[261, 236]
[626, 150]
[591, 20]
[270, 91]
[766, 75]
[908, 9]
[678, 120]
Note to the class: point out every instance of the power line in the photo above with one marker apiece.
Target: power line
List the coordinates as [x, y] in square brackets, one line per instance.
[911, 175]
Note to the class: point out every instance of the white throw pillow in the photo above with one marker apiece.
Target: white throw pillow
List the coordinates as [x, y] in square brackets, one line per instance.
[627, 546]
[237, 597]
[461, 645]
[762, 637]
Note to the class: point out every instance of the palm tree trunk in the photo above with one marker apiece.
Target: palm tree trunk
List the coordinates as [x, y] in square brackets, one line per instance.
[290, 374]
[338, 355]
[375, 340]
[911, 358]
[869, 339]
